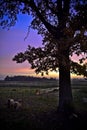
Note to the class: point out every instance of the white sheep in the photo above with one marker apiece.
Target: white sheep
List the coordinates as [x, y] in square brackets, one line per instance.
[38, 92]
[14, 104]
[17, 105]
[10, 103]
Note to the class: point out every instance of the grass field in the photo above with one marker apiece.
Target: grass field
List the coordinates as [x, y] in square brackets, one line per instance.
[34, 107]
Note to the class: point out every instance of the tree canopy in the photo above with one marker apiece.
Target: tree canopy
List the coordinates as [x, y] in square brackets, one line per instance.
[63, 26]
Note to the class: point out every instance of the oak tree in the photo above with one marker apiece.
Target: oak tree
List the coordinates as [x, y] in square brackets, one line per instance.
[63, 26]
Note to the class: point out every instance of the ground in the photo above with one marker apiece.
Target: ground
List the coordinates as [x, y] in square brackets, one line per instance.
[43, 121]
[39, 112]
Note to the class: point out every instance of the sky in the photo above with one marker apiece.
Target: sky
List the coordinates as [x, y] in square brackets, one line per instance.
[12, 42]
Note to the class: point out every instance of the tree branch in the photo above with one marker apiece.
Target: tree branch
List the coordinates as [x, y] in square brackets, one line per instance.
[60, 11]
[66, 8]
[49, 27]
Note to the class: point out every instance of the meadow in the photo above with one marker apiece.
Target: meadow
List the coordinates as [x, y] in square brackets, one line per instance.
[36, 110]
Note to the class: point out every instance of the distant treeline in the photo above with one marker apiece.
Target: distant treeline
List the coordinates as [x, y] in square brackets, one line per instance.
[27, 78]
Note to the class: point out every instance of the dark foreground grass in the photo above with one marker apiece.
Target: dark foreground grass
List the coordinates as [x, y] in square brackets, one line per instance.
[39, 112]
[49, 120]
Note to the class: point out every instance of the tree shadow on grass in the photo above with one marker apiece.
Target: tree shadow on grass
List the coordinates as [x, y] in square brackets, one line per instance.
[22, 120]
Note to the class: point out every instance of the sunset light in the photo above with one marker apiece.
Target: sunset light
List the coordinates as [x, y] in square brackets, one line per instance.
[13, 41]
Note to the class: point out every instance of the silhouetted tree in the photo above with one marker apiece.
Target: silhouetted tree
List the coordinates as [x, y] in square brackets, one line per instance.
[63, 26]
[28, 78]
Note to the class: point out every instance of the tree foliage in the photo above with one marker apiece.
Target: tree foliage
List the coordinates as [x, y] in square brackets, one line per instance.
[63, 26]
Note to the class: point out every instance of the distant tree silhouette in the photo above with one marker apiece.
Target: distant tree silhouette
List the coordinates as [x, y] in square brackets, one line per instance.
[27, 78]
[63, 26]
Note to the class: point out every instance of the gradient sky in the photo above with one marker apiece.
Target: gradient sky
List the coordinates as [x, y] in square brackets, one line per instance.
[12, 42]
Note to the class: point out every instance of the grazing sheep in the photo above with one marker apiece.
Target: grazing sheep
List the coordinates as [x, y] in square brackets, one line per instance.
[14, 104]
[10, 103]
[37, 92]
[17, 105]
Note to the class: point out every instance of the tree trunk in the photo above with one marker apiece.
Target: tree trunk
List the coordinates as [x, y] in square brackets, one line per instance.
[65, 91]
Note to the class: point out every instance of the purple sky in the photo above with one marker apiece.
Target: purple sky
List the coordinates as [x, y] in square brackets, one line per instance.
[12, 42]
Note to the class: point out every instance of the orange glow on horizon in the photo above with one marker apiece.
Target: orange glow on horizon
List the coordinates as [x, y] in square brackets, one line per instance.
[8, 67]
[31, 72]
[24, 69]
